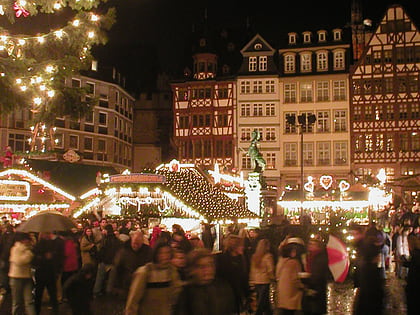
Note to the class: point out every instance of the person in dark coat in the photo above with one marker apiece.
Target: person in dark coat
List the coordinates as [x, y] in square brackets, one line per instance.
[48, 263]
[131, 256]
[413, 277]
[315, 293]
[232, 266]
[108, 248]
[78, 290]
[205, 294]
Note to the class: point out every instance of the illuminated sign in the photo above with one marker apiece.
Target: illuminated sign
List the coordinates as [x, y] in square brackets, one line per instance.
[14, 190]
[138, 178]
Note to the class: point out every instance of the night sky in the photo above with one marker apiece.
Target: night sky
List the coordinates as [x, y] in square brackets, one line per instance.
[151, 36]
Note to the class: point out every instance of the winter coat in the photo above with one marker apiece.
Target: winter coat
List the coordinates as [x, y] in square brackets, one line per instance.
[210, 299]
[153, 291]
[315, 297]
[264, 273]
[49, 257]
[20, 260]
[79, 291]
[71, 256]
[108, 248]
[86, 248]
[289, 287]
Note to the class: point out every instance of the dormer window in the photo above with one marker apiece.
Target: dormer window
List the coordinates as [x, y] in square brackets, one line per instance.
[252, 66]
[322, 36]
[262, 60]
[292, 38]
[257, 46]
[337, 34]
[306, 37]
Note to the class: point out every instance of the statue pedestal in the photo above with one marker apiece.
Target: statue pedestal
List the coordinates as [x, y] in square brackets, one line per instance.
[253, 192]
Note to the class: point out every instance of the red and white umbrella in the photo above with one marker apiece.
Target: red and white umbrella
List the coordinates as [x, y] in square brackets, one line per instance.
[338, 258]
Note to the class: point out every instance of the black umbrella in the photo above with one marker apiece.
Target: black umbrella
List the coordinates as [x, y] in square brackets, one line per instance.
[47, 221]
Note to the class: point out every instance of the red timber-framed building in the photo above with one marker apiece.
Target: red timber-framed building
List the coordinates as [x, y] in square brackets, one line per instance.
[385, 102]
[204, 106]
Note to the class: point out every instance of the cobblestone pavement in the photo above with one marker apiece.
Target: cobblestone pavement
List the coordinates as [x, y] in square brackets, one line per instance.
[340, 300]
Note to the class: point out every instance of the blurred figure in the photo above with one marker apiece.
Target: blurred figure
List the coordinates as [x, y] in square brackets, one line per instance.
[315, 293]
[179, 260]
[402, 253]
[98, 232]
[232, 266]
[71, 257]
[6, 243]
[108, 248]
[48, 262]
[204, 294]
[131, 256]
[195, 241]
[177, 228]
[208, 235]
[261, 275]
[20, 275]
[88, 247]
[155, 287]
[289, 287]
[413, 277]
[78, 290]
[179, 241]
[155, 235]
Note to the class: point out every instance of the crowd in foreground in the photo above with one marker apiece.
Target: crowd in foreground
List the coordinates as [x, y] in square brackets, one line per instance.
[173, 272]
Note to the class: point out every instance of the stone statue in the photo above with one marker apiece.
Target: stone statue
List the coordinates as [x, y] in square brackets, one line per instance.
[257, 159]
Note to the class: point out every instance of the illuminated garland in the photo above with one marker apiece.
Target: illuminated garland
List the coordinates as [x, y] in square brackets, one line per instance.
[33, 68]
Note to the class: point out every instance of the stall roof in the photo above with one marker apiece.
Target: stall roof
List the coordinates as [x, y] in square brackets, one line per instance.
[294, 195]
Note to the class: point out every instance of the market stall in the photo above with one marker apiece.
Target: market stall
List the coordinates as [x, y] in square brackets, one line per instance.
[23, 194]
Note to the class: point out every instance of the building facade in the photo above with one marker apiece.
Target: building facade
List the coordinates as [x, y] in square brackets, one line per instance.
[385, 107]
[104, 137]
[314, 81]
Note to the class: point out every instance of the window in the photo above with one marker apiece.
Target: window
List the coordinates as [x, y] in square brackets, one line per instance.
[415, 141]
[74, 142]
[369, 142]
[337, 35]
[245, 110]
[339, 90]
[222, 93]
[306, 92]
[308, 153]
[257, 110]
[76, 83]
[403, 111]
[359, 142]
[377, 56]
[415, 111]
[290, 154]
[245, 87]
[270, 160]
[390, 143]
[322, 91]
[222, 120]
[289, 63]
[305, 62]
[390, 111]
[387, 56]
[307, 127]
[90, 88]
[388, 85]
[323, 149]
[207, 148]
[339, 63]
[292, 38]
[270, 109]
[184, 122]
[182, 95]
[290, 93]
[368, 112]
[306, 38]
[246, 161]
[245, 134]
[89, 118]
[270, 86]
[322, 61]
[289, 128]
[340, 120]
[340, 153]
[18, 142]
[404, 146]
[270, 134]
[323, 121]
[88, 144]
[252, 66]
[321, 36]
[357, 115]
[103, 119]
[380, 144]
[257, 87]
[262, 63]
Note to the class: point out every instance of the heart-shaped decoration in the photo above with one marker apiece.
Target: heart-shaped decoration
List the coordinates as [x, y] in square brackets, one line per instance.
[174, 166]
[309, 185]
[344, 186]
[326, 181]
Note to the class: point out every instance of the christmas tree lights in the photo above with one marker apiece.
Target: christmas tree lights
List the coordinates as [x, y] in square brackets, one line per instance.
[34, 66]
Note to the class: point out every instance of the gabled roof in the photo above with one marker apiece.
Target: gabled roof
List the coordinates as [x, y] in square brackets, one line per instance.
[257, 45]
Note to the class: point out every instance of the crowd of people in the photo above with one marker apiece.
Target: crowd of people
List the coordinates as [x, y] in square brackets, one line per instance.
[171, 271]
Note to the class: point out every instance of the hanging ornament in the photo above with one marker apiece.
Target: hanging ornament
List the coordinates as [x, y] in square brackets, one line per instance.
[326, 181]
[20, 10]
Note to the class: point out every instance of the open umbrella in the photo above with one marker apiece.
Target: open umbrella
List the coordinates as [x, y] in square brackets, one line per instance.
[338, 258]
[47, 221]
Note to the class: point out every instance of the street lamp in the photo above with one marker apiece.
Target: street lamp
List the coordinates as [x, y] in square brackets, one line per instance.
[304, 122]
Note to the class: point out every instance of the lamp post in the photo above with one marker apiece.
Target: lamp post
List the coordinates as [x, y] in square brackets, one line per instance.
[304, 121]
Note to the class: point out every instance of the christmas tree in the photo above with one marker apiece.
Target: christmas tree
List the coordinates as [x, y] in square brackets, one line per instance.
[43, 43]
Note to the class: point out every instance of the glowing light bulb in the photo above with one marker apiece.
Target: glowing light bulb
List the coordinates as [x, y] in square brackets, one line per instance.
[23, 88]
[21, 42]
[49, 69]
[22, 3]
[38, 79]
[42, 87]
[57, 6]
[59, 33]
[50, 93]
[40, 39]
[76, 23]
[18, 81]
[91, 34]
[3, 38]
[37, 100]
[94, 18]
[2, 47]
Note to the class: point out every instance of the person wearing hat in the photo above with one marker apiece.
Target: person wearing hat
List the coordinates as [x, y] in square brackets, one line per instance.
[20, 275]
